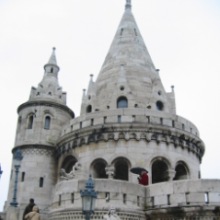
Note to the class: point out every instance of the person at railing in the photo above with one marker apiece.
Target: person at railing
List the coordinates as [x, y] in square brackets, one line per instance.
[143, 179]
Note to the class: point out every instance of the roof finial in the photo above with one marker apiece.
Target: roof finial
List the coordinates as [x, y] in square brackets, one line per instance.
[128, 4]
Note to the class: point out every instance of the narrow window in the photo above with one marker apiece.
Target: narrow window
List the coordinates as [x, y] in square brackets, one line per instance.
[22, 176]
[122, 102]
[119, 118]
[72, 197]
[206, 197]
[168, 199]
[105, 118]
[124, 198]
[59, 202]
[173, 124]
[92, 122]
[51, 70]
[152, 201]
[161, 121]
[148, 119]
[121, 32]
[135, 31]
[41, 182]
[107, 196]
[183, 126]
[47, 123]
[80, 125]
[138, 200]
[30, 121]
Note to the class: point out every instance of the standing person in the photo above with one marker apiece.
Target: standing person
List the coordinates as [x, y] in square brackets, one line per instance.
[29, 208]
[143, 178]
[34, 215]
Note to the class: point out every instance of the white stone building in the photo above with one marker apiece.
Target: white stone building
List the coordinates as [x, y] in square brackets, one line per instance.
[127, 120]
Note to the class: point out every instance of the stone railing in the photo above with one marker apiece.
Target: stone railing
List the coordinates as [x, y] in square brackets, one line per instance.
[132, 116]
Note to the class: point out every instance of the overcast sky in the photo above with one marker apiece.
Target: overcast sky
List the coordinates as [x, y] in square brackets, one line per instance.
[182, 36]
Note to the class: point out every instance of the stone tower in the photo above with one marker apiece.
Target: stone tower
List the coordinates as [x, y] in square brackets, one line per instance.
[127, 120]
[40, 120]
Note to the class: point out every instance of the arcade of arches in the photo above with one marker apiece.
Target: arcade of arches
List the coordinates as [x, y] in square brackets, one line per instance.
[161, 170]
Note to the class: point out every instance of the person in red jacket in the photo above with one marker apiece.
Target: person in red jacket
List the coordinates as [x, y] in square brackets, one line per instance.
[143, 178]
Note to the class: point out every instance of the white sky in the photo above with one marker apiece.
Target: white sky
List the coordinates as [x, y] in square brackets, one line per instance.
[182, 36]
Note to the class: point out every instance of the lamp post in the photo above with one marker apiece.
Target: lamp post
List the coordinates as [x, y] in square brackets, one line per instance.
[17, 160]
[88, 198]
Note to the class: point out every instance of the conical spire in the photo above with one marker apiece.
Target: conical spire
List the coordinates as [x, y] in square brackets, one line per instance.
[53, 59]
[52, 62]
[128, 71]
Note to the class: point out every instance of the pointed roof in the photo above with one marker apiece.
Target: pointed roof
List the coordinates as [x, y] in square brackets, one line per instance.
[128, 69]
[48, 89]
[52, 61]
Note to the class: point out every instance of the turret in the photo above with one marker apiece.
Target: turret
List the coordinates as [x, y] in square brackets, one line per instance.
[40, 122]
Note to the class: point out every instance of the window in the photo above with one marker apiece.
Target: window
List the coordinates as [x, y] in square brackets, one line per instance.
[41, 182]
[89, 109]
[160, 105]
[30, 121]
[22, 176]
[59, 202]
[122, 102]
[47, 123]
[72, 197]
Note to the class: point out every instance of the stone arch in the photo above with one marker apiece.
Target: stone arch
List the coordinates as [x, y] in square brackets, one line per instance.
[160, 170]
[122, 166]
[68, 163]
[98, 168]
[182, 171]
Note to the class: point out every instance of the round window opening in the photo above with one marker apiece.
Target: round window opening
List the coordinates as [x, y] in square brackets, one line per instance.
[122, 88]
[160, 105]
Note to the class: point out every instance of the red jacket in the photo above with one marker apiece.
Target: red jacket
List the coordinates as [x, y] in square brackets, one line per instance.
[143, 179]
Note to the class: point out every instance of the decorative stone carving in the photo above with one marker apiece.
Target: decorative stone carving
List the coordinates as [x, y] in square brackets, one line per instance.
[112, 215]
[66, 176]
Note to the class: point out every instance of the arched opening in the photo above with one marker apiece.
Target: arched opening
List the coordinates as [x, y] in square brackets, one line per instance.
[47, 122]
[30, 122]
[122, 102]
[121, 168]
[98, 168]
[159, 105]
[89, 109]
[68, 163]
[181, 171]
[159, 171]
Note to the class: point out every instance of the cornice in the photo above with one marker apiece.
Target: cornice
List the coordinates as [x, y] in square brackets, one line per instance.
[45, 103]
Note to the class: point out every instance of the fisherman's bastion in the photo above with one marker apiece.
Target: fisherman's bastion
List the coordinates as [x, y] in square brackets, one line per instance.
[127, 120]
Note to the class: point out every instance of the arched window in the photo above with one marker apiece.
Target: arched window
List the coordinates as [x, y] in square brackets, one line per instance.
[122, 102]
[98, 168]
[30, 121]
[121, 168]
[47, 122]
[160, 105]
[159, 171]
[181, 171]
[89, 109]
